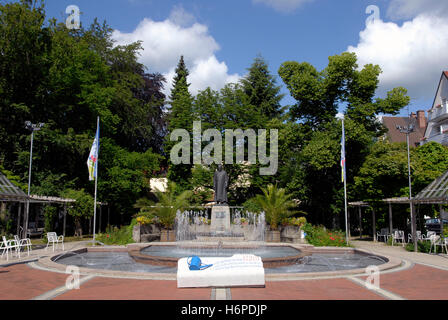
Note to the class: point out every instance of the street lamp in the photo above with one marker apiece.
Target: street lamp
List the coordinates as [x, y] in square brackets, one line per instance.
[31, 127]
[408, 130]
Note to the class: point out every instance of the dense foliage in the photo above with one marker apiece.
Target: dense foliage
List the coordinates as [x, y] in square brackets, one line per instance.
[319, 236]
[167, 205]
[67, 78]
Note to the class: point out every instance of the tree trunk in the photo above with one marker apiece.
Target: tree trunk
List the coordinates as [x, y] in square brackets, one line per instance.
[78, 228]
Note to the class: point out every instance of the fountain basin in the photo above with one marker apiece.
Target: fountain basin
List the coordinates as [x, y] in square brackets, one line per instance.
[114, 261]
[272, 256]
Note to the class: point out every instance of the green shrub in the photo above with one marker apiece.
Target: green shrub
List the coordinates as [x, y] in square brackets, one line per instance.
[50, 213]
[319, 236]
[422, 246]
[297, 222]
[167, 206]
[117, 236]
[276, 204]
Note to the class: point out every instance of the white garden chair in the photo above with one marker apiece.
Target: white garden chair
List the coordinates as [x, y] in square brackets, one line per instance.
[438, 241]
[382, 234]
[8, 246]
[23, 243]
[419, 235]
[398, 235]
[53, 238]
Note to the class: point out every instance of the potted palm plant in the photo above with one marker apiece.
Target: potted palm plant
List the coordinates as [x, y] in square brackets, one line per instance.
[276, 205]
[169, 202]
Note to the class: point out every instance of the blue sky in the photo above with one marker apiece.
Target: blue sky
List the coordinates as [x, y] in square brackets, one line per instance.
[405, 39]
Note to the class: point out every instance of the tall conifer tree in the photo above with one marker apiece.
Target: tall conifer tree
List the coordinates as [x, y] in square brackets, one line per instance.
[260, 86]
[180, 117]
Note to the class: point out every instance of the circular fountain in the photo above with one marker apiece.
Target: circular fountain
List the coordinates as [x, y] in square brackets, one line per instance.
[195, 237]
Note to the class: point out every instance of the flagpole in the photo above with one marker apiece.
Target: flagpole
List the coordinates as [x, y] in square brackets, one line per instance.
[345, 187]
[96, 180]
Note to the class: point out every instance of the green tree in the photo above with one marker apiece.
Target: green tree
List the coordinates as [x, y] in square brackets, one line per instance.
[169, 202]
[81, 209]
[260, 86]
[432, 158]
[320, 95]
[25, 43]
[201, 182]
[66, 78]
[180, 116]
[124, 176]
[384, 173]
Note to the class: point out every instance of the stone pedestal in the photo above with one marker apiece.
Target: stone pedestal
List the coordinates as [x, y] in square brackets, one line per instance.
[220, 219]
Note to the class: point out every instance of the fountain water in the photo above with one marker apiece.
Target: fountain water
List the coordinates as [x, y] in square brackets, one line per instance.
[193, 225]
[194, 236]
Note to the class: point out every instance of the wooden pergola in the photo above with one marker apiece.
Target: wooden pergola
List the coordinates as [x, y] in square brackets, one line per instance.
[9, 192]
[434, 193]
[360, 205]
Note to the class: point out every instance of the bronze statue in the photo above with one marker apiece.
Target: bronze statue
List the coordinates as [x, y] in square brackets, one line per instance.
[220, 184]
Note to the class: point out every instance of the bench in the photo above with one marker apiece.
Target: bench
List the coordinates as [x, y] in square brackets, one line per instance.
[239, 270]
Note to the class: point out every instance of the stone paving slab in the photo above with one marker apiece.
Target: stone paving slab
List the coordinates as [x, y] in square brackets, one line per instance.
[101, 288]
[23, 283]
[439, 260]
[328, 289]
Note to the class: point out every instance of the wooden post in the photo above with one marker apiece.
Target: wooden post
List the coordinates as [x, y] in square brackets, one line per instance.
[99, 222]
[65, 220]
[18, 220]
[414, 228]
[360, 222]
[391, 227]
[25, 219]
[348, 222]
[373, 225]
[108, 215]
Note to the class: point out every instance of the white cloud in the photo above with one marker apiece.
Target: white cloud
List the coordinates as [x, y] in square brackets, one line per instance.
[405, 9]
[283, 5]
[412, 55]
[181, 17]
[165, 41]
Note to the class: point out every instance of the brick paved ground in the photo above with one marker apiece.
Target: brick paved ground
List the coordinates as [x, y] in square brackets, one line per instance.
[330, 289]
[418, 282]
[130, 289]
[23, 282]
[426, 279]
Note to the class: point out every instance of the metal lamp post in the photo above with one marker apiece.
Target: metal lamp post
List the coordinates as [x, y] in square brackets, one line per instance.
[32, 127]
[408, 130]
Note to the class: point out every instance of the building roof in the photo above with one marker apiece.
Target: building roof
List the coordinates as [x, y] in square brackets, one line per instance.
[435, 192]
[43, 199]
[394, 135]
[9, 191]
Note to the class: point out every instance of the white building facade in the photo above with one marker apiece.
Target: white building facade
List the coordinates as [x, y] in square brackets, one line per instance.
[437, 129]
